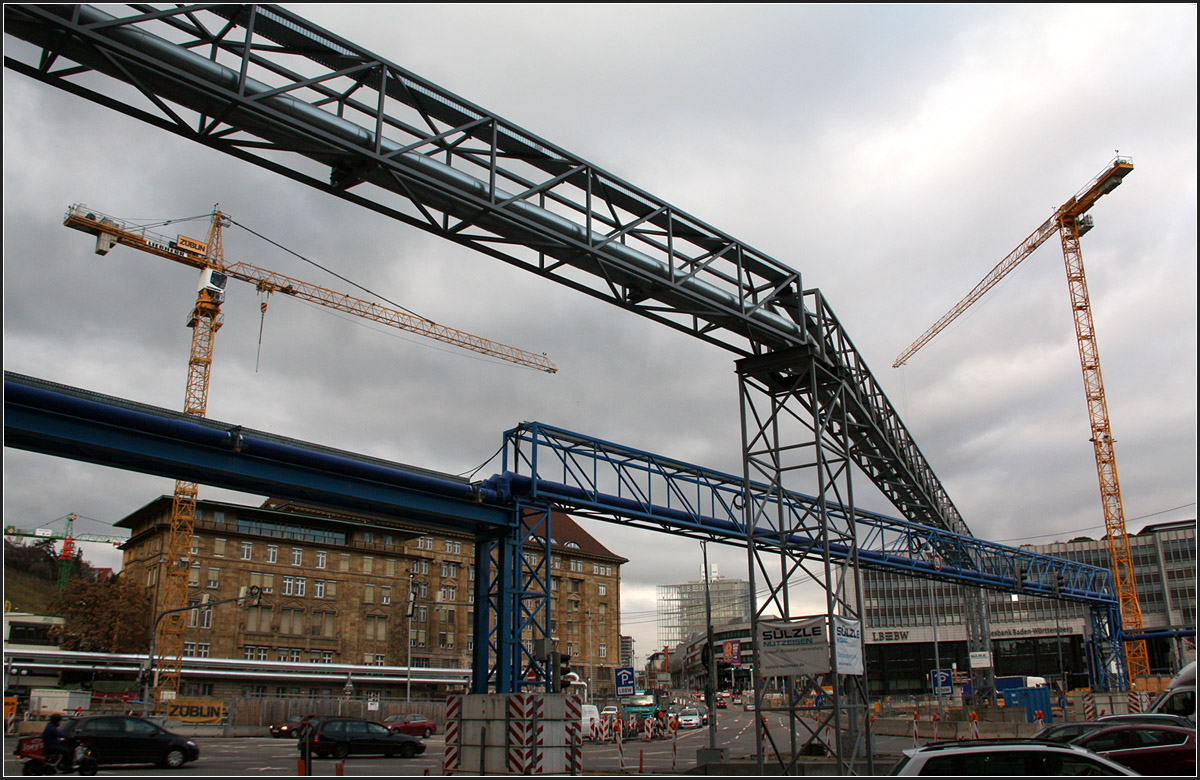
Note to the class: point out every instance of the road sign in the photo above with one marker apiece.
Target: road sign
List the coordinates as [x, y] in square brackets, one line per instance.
[942, 681]
[624, 680]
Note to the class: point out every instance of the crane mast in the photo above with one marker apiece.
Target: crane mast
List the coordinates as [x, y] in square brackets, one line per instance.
[205, 320]
[1071, 221]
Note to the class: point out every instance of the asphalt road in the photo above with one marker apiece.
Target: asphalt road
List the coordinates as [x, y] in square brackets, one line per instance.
[267, 757]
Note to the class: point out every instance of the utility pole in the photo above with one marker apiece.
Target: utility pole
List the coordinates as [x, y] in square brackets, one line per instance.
[710, 673]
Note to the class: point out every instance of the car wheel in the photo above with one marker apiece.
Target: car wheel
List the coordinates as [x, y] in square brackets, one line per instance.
[31, 768]
[341, 750]
[428, 732]
[173, 759]
[408, 750]
[87, 766]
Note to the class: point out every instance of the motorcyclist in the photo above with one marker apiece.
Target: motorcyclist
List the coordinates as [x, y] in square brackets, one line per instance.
[54, 741]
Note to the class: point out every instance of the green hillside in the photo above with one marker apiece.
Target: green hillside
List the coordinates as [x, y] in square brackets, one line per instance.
[26, 592]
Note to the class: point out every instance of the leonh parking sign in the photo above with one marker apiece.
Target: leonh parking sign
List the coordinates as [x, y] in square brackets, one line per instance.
[801, 646]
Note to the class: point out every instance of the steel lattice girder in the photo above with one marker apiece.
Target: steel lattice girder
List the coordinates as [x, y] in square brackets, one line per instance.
[614, 482]
[268, 87]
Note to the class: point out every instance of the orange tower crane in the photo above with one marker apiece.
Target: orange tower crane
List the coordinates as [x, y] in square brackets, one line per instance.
[1071, 221]
[205, 321]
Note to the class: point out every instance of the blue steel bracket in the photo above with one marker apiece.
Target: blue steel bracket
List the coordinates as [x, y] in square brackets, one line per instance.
[612, 482]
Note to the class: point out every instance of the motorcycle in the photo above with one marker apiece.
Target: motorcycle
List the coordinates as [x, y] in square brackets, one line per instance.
[32, 749]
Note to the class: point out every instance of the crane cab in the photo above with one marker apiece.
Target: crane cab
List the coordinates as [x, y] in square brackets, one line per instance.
[213, 281]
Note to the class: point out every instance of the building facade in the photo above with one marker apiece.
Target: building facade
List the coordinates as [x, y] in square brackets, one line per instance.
[362, 590]
[912, 626]
[688, 608]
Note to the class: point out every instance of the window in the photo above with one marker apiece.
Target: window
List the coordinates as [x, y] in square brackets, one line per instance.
[375, 627]
[602, 650]
[319, 589]
[368, 594]
[195, 545]
[258, 619]
[345, 563]
[322, 625]
[603, 590]
[247, 549]
[448, 593]
[272, 553]
[219, 548]
[385, 595]
[368, 564]
[453, 547]
[321, 558]
[297, 556]
[289, 584]
[214, 578]
[291, 621]
[449, 569]
[301, 582]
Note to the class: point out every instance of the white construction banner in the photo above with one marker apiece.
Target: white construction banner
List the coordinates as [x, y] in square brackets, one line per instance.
[801, 646]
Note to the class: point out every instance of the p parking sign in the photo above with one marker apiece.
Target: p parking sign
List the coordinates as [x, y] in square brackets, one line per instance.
[624, 681]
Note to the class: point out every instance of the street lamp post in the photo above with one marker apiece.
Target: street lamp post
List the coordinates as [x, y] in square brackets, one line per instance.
[254, 594]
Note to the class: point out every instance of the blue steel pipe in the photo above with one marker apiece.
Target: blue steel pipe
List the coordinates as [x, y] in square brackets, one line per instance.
[210, 434]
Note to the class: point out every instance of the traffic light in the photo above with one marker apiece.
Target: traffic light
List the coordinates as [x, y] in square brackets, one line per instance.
[564, 668]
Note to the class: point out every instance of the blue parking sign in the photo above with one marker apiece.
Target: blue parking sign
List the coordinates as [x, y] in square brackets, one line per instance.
[624, 681]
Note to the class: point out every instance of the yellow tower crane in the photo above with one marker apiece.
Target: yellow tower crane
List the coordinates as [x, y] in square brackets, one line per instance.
[205, 321]
[1071, 221]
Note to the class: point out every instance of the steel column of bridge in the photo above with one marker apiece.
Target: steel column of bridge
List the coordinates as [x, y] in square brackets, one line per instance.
[794, 435]
[513, 582]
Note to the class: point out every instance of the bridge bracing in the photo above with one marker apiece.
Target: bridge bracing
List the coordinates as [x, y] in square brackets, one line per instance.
[268, 87]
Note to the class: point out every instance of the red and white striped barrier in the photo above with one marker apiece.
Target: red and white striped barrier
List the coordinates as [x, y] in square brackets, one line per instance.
[935, 727]
[1089, 706]
[916, 717]
[574, 737]
[452, 756]
[1039, 719]
[973, 729]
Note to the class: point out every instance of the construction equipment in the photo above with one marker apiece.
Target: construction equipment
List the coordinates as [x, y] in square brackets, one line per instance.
[69, 539]
[205, 321]
[1071, 221]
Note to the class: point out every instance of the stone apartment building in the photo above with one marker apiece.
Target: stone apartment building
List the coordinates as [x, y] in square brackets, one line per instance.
[336, 588]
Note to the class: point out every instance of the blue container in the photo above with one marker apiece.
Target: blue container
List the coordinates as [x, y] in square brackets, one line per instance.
[1032, 700]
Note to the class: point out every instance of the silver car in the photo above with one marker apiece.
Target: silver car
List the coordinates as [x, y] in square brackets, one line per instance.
[1007, 757]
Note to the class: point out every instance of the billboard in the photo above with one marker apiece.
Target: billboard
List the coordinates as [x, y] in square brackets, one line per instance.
[801, 646]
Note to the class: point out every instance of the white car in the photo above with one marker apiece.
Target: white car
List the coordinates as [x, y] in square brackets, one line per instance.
[689, 719]
[1007, 757]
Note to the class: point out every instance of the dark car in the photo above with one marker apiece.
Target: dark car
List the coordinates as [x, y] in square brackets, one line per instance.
[1069, 732]
[416, 725]
[1149, 749]
[124, 739]
[341, 737]
[290, 727]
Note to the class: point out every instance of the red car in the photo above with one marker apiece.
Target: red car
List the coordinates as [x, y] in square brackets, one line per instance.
[416, 725]
[1148, 749]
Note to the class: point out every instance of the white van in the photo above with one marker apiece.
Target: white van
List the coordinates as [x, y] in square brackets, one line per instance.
[589, 720]
[1180, 696]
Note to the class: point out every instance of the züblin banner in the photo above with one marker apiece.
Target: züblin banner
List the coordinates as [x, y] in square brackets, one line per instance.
[801, 646]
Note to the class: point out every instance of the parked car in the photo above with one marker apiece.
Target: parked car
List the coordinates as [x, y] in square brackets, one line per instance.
[124, 739]
[1068, 732]
[610, 712]
[414, 724]
[1014, 757]
[341, 737]
[1148, 749]
[290, 727]
[689, 718]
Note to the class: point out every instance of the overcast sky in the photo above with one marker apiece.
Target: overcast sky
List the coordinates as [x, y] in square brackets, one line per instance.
[892, 154]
